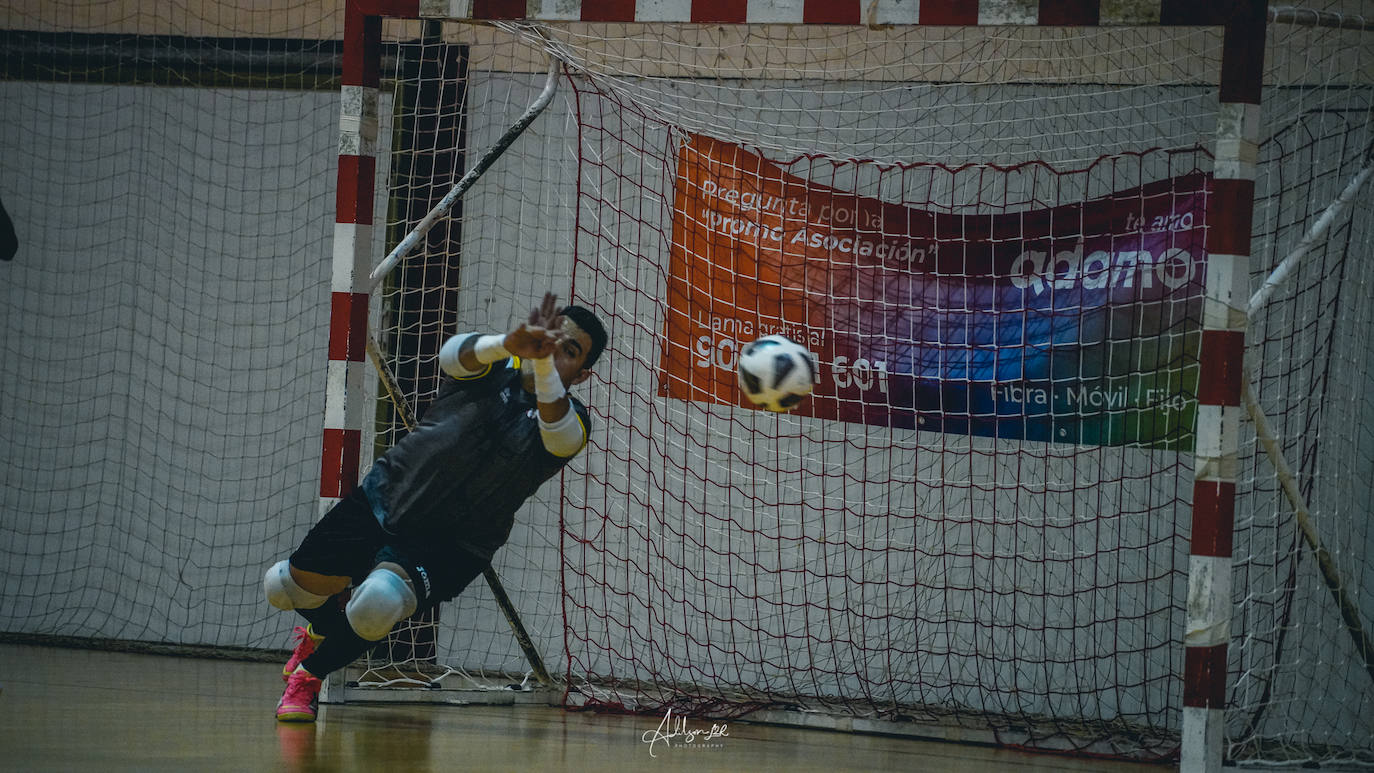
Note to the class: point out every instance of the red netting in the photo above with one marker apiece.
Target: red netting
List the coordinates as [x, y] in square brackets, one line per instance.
[913, 543]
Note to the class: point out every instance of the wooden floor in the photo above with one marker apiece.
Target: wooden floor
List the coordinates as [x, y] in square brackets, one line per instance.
[75, 710]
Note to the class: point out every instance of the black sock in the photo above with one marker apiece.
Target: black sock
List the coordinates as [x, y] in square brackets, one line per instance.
[336, 651]
[327, 619]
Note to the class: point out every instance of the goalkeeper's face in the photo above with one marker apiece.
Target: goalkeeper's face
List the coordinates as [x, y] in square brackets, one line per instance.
[569, 354]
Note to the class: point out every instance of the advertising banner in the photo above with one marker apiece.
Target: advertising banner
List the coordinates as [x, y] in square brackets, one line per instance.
[1078, 323]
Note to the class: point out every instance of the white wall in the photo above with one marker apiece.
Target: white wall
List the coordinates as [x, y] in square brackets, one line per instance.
[165, 322]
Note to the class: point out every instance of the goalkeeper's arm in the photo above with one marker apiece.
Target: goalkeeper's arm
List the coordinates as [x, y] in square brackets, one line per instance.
[471, 354]
[561, 428]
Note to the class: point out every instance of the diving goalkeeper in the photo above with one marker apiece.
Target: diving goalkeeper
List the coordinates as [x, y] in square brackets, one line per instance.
[429, 515]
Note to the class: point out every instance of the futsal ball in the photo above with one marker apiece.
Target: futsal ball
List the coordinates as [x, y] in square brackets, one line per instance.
[775, 372]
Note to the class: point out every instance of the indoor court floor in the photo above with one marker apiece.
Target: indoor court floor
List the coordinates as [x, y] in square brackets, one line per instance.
[77, 710]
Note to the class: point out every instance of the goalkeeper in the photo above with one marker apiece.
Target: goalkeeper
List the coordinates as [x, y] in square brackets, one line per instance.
[432, 511]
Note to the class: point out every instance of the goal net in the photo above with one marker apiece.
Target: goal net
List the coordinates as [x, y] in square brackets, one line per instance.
[1301, 666]
[977, 520]
[992, 238]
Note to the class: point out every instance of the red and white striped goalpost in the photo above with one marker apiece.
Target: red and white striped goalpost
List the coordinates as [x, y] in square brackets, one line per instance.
[1228, 245]
[1229, 214]
[345, 397]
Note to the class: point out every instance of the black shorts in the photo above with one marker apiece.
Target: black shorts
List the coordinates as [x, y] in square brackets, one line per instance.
[348, 541]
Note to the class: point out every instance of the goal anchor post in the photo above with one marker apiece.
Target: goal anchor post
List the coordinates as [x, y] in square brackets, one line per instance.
[400, 251]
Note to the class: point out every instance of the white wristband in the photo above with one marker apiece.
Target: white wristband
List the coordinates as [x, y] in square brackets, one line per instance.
[490, 348]
[548, 385]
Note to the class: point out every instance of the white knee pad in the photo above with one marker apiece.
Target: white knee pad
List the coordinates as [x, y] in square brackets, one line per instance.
[284, 593]
[381, 601]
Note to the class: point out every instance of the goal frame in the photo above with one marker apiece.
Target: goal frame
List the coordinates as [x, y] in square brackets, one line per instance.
[1220, 410]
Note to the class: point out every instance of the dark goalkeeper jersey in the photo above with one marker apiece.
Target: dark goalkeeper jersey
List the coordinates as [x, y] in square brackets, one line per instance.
[475, 457]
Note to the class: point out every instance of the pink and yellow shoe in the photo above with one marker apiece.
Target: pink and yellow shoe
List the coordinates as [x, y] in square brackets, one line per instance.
[301, 701]
[306, 642]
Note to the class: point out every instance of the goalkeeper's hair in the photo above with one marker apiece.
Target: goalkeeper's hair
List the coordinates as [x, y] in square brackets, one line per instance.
[585, 319]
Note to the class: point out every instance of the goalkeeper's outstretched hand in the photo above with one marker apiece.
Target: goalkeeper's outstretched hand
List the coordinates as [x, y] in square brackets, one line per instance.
[536, 338]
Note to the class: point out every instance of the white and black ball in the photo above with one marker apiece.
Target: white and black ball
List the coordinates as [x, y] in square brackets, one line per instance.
[776, 373]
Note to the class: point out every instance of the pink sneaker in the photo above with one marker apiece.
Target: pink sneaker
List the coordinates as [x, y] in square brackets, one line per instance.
[306, 642]
[301, 701]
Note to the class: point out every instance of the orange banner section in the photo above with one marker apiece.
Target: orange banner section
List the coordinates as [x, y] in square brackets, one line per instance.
[751, 256]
